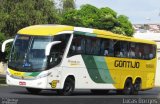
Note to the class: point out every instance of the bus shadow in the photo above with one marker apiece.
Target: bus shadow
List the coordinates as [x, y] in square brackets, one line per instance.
[79, 93]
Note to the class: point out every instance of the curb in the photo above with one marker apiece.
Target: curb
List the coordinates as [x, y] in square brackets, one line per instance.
[2, 85]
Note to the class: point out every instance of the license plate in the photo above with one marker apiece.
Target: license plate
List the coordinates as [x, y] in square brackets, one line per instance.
[21, 83]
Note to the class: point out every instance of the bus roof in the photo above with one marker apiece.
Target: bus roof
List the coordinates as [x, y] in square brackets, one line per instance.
[51, 30]
[44, 30]
[107, 34]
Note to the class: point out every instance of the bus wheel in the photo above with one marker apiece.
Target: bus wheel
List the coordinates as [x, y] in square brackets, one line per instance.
[33, 90]
[128, 88]
[99, 91]
[137, 87]
[68, 87]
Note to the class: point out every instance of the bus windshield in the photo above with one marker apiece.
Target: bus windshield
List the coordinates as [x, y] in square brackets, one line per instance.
[28, 53]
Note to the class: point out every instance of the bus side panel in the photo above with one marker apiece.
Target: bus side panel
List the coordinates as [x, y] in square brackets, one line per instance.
[96, 72]
[86, 73]
[148, 73]
[123, 68]
[115, 74]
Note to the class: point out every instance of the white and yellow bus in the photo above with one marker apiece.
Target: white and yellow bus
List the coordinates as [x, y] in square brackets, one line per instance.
[65, 58]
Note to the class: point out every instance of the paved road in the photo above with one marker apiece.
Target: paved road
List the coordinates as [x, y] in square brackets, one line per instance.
[19, 95]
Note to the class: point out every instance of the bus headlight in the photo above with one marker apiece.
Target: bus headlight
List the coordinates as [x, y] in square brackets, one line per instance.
[43, 75]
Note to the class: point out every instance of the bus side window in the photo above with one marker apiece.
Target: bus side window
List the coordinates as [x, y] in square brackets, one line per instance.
[111, 48]
[117, 49]
[104, 47]
[154, 48]
[72, 50]
[77, 46]
[88, 45]
[55, 56]
[138, 53]
[152, 52]
[131, 50]
[146, 51]
[141, 50]
[58, 50]
[83, 45]
[124, 49]
[95, 46]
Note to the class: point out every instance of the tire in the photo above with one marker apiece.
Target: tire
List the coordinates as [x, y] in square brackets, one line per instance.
[137, 87]
[68, 87]
[100, 91]
[33, 90]
[128, 88]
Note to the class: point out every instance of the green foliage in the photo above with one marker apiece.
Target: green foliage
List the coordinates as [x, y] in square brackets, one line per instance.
[65, 6]
[2, 55]
[71, 18]
[2, 38]
[103, 18]
[108, 11]
[125, 25]
[16, 14]
[118, 30]
[68, 5]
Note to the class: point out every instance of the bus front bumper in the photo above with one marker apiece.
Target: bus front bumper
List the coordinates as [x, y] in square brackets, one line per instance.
[40, 83]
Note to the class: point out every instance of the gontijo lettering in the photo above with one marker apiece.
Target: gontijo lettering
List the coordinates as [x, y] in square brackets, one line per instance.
[126, 64]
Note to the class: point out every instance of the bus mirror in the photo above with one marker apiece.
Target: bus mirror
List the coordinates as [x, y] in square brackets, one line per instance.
[49, 45]
[4, 44]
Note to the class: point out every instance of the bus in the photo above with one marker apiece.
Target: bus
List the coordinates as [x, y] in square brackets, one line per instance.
[64, 58]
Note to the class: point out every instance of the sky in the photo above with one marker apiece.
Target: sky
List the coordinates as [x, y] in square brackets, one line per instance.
[138, 11]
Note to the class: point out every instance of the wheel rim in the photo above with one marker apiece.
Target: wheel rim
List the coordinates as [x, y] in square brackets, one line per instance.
[128, 89]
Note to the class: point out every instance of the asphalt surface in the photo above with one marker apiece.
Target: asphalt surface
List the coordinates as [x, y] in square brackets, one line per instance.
[18, 95]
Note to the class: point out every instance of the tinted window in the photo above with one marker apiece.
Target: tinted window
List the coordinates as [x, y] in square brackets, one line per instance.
[77, 45]
[57, 50]
[110, 47]
[93, 46]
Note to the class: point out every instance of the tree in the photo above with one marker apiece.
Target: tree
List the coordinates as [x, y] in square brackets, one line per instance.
[125, 25]
[68, 5]
[16, 14]
[2, 55]
[108, 11]
[103, 18]
[85, 17]
[65, 6]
